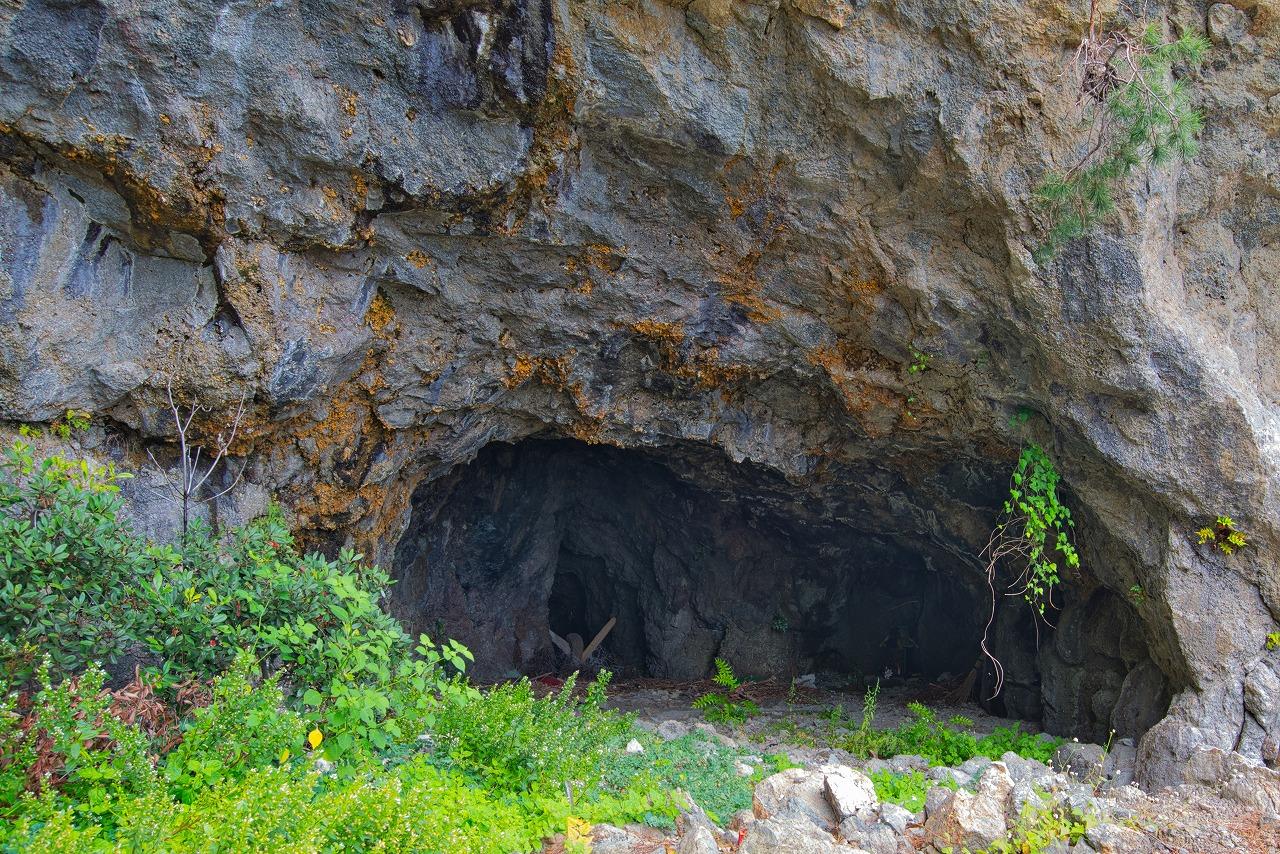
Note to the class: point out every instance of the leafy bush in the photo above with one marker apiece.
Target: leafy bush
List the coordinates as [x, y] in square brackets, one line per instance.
[77, 583]
[720, 706]
[1039, 747]
[925, 735]
[1039, 826]
[942, 742]
[515, 741]
[67, 563]
[71, 752]
[414, 808]
[245, 727]
[707, 772]
[507, 768]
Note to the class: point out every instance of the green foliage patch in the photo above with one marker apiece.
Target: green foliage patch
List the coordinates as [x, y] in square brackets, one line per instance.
[1143, 118]
[721, 706]
[907, 789]
[940, 742]
[378, 742]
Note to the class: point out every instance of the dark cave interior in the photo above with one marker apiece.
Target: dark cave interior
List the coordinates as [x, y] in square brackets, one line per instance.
[854, 574]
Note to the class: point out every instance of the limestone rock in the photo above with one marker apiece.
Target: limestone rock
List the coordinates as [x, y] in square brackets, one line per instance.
[847, 791]
[698, 841]
[795, 794]
[897, 817]
[1117, 839]
[1227, 24]
[792, 835]
[966, 820]
[1082, 761]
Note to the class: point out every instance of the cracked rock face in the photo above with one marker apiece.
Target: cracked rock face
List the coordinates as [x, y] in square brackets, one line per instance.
[713, 232]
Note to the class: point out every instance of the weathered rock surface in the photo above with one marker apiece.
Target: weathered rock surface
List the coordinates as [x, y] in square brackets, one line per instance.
[716, 230]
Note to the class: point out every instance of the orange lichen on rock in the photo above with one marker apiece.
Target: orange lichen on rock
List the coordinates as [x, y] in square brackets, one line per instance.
[659, 330]
[740, 285]
[704, 369]
[182, 206]
[689, 361]
[551, 372]
[878, 410]
[594, 258]
[380, 313]
[760, 185]
[418, 258]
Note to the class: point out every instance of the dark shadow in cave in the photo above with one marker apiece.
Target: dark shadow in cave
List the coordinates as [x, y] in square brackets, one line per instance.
[697, 556]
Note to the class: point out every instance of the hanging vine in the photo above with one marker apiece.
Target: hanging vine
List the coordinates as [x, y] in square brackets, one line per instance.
[1032, 533]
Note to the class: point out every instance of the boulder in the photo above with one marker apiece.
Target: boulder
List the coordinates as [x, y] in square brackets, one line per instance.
[872, 837]
[897, 817]
[1108, 838]
[796, 793]
[1082, 761]
[791, 835]
[966, 820]
[698, 841]
[847, 791]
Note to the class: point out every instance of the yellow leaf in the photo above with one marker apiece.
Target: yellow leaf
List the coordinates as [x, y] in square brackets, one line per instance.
[284, 756]
[314, 738]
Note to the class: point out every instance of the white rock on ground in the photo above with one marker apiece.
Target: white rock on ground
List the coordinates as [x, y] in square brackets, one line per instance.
[698, 841]
[896, 816]
[847, 791]
[796, 793]
[793, 836]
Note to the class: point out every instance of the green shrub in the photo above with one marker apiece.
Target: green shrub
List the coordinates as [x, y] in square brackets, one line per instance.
[941, 742]
[719, 706]
[415, 808]
[925, 735]
[77, 583]
[506, 768]
[67, 563]
[244, 728]
[516, 741]
[71, 752]
[707, 772]
[1039, 747]
[1041, 825]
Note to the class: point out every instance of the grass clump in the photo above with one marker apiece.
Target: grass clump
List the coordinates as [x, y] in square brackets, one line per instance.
[940, 742]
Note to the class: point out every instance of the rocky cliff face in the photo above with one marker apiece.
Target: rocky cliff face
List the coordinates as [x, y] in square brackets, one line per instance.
[713, 230]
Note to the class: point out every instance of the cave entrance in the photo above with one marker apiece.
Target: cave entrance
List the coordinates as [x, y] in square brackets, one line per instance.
[533, 548]
[690, 555]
